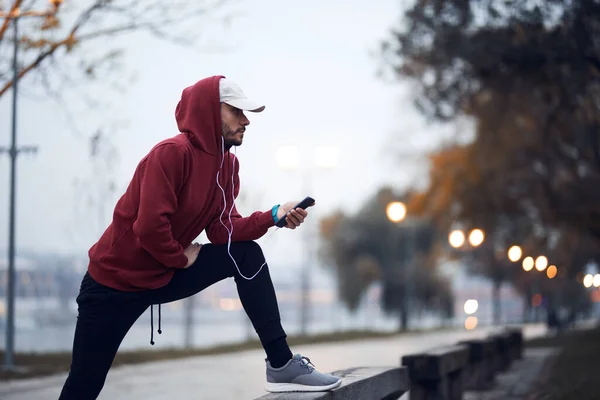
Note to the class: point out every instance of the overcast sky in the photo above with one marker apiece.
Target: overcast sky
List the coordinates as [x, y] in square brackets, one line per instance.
[311, 63]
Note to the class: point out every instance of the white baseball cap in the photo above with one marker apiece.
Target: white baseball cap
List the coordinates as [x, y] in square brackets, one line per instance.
[232, 94]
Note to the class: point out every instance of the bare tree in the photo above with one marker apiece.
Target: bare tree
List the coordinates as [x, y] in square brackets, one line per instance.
[62, 54]
[59, 48]
[96, 190]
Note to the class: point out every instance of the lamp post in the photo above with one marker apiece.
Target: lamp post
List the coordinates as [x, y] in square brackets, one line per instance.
[458, 240]
[515, 253]
[288, 158]
[396, 213]
[13, 151]
[540, 264]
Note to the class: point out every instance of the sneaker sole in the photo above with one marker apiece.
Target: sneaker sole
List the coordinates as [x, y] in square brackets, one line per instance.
[294, 387]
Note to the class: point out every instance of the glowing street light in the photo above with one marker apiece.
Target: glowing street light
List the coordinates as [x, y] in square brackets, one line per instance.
[541, 263]
[471, 322]
[471, 306]
[288, 157]
[588, 280]
[456, 238]
[396, 211]
[596, 280]
[515, 253]
[528, 263]
[551, 271]
[327, 157]
[476, 237]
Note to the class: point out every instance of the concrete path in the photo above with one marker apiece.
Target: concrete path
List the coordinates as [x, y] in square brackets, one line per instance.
[239, 375]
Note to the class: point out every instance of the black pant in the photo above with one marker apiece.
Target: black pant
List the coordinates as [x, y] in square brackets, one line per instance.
[106, 315]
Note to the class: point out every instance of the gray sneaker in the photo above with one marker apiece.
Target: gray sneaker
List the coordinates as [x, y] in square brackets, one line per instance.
[299, 375]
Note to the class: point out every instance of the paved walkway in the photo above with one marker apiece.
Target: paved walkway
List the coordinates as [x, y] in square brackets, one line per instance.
[239, 375]
[521, 379]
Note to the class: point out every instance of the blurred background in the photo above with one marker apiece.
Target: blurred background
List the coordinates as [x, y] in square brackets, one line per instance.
[452, 147]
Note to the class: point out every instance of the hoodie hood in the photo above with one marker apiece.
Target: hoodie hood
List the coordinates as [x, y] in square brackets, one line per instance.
[198, 114]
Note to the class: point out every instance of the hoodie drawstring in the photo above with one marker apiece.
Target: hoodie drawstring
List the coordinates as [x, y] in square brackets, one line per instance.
[159, 330]
[152, 323]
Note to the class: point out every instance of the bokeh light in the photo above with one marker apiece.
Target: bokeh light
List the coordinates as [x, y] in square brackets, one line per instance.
[528, 263]
[541, 263]
[515, 253]
[471, 306]
[456, 238]
[536, 300]
[476, 237]
[396, 211]
[471, 323]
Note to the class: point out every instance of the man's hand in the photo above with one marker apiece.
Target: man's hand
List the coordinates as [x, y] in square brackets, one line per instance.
[294, 216]
[192, 253]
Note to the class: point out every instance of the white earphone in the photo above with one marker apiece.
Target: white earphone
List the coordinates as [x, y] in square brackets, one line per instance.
[230, 231]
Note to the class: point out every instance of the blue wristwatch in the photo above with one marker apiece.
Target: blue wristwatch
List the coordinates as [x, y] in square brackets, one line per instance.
[274, 212]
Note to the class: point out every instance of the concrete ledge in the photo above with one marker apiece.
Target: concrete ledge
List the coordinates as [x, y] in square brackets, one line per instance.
[480, 373]
[436, 362]
[360, 383]
[437, 373]
[503, 356]
[516, 342]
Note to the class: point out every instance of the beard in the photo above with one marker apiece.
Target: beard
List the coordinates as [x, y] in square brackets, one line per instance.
[231, 137]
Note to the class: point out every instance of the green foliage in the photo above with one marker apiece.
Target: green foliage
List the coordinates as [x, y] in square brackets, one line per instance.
[527, 74]
[367, 247]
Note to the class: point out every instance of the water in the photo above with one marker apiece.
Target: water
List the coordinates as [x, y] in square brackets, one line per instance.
[42, 325]
[211, 326]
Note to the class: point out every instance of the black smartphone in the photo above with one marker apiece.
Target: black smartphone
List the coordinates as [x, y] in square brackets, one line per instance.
[304, 204]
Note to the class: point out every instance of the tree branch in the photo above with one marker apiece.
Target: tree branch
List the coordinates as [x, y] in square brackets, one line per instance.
[71, 39]
[68, 41]
[8, 17]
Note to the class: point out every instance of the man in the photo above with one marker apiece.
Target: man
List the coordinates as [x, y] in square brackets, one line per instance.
[185, 185]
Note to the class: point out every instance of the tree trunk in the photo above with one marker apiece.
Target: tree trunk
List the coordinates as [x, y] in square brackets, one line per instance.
[188, 322]
[526, 307]
[496, 307]
[403, 320]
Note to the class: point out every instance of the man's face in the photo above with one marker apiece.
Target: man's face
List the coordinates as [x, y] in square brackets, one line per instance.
[233, 125]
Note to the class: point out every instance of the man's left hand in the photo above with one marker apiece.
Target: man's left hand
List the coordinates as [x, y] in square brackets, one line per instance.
[294, 217]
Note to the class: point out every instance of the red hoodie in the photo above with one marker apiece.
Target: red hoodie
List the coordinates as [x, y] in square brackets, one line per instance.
[172, 197]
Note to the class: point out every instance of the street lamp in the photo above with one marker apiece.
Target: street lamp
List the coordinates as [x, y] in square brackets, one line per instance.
[288, 158]
[528, 263]
[13, 151]
[471, 306]
[396, 212]
[456, 238]
[476, 237]
[541, 263]
[515, 253]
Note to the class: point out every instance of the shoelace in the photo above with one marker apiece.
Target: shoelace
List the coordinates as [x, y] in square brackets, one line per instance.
[305, 361]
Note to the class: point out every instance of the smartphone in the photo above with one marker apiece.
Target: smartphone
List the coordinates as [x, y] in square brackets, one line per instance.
[304, 204]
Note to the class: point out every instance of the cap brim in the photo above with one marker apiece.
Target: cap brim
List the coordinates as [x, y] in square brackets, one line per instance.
[246, 105]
